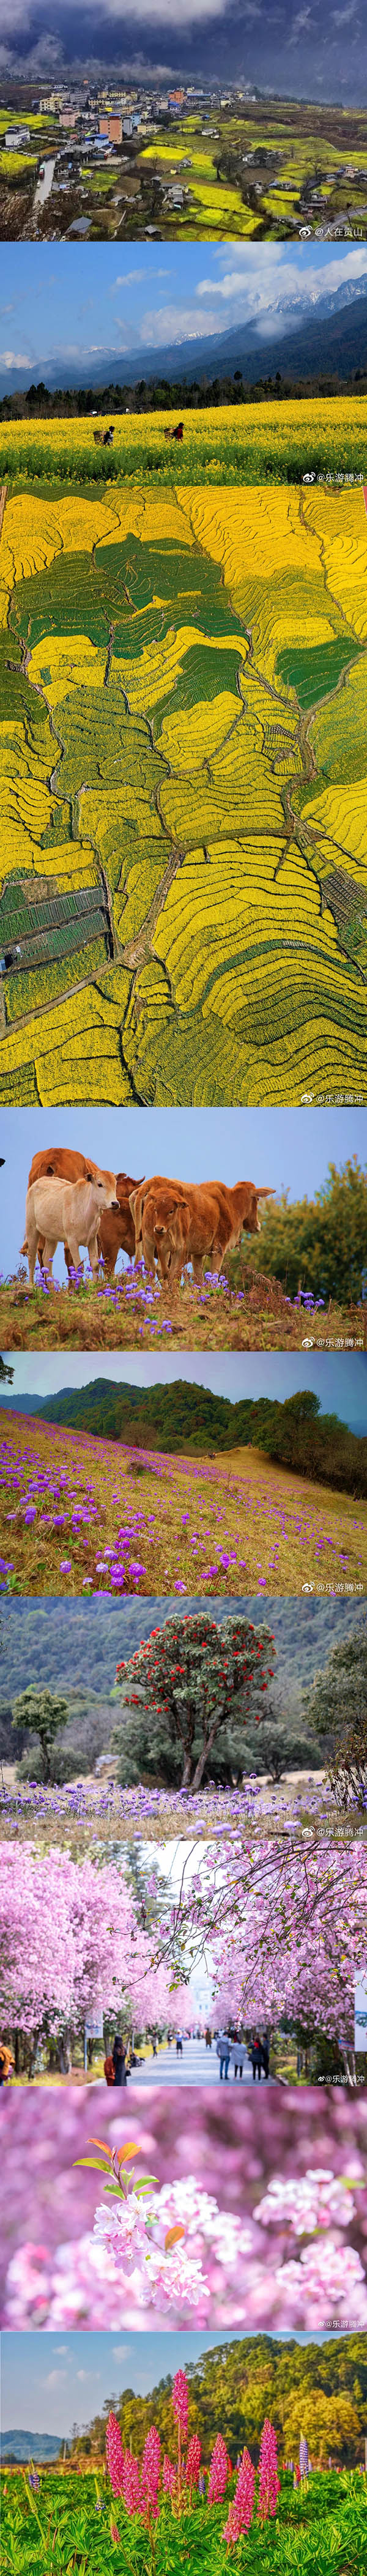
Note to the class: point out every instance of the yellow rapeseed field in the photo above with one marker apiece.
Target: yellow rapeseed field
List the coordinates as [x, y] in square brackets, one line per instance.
[237, 443]
[183, 726]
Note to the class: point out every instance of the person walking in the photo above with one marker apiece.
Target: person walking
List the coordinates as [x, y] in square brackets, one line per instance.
[7, 2062]
[108, 2070]
[223, 2051]
[238, 2056]
[255, 2055]
[208, 2038]
[119, 2060]
[265, 2054]
[179, 2043]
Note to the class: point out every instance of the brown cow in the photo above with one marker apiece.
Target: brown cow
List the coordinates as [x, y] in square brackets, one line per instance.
[165, 1233]
[117, 1233]
[217, 1217]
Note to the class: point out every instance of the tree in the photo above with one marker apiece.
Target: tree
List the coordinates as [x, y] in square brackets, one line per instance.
[285, 1922]
[329, 2423]
[336, 1710]
[41, 1713]
[5, 1372]
[318, 1243]
[281, 1751]
[187, 1683]
[71, 1944]
[316, 1444]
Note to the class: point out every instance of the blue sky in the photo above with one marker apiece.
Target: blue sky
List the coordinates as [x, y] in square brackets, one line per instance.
[299, 48]
[284, 1149]
[63, 303]
[47, 2390]
[340, 1378]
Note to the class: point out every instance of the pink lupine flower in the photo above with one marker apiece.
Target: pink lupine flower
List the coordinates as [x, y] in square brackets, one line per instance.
[150, 2470]
[131, 2489]
[193, 2458]
[218, 2472]
[241, 2511]
[115, 2456]
[168, 2475]
[115, 2535]
[180, 2401]
[269, 2488]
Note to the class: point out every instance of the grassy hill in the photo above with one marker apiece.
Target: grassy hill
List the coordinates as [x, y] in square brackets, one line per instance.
[181, 1419]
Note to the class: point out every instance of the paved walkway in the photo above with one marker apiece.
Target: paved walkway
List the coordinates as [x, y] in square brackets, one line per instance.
[198, 2065]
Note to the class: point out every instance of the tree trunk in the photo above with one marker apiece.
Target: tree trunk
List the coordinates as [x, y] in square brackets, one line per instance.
[204, 1755]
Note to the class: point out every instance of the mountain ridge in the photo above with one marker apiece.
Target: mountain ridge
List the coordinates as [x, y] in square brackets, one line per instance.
[319, 334]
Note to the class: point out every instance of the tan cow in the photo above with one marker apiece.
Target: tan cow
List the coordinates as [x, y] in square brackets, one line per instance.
[218, 1217]
[64, 1163]
[60, 1211]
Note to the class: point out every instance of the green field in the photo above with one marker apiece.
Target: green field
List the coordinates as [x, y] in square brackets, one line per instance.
[183, 760]
[321, 2531]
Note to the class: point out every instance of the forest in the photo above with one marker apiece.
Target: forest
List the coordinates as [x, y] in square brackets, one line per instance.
[236, 2384]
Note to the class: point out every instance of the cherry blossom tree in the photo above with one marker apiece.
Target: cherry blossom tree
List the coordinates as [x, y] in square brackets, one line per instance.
[285, 1919]
[71, 1944]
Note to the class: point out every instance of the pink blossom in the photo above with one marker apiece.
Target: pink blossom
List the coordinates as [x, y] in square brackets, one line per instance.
[218, 2472]
[132, 2490]
[150, 2470]
[115, 2535]
[269, 2487]
[311, 2203]
[169, 2475]
[180, 2401]
[193, 2458]
[115, 2455]
[241, 2511]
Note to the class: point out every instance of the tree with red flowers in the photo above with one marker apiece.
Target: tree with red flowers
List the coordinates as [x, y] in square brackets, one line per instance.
[189, 1693]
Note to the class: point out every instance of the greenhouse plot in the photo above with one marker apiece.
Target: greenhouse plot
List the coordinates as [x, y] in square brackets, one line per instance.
[183, 753]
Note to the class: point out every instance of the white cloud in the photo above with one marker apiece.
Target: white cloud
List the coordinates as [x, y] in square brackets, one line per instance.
[175, 323]
[120, 2351]
[252, 283]
[54, 2379]
[9, 358]
[129, 277]
[159, 12]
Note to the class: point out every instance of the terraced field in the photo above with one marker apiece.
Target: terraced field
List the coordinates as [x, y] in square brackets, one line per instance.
[183, 757]
[271, 172]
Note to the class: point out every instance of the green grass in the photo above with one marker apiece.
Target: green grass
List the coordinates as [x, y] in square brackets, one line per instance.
[314, 673]
[319, 2531]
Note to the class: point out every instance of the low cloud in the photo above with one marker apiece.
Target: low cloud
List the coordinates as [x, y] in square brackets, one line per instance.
[10, 358]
